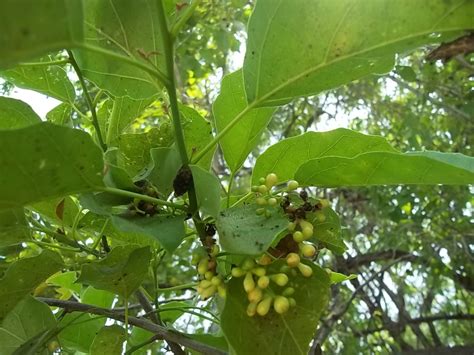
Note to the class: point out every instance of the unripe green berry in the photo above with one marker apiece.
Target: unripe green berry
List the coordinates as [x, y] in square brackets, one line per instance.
[263, 189]
[268, 214]
[255, 295]
[260, 201]
[261, 181]
[272, 201]
[208, 292]
[292, 185]
[254, 188]
[292, 301]
[208, 275]
[319, 216]
[324, 203]
[298, 237]
[280, 279]
[264, 306]
[216, 280]
[305, 270]
[259, 271]
[291, 226]
[293, 259]
[260, 211]
[205, 284]
[288, 291]
[202, 266]
[249, 283]
[263, 282]
[237, 272]
[308, 250]
[251, 309]
[248, 264]
[215, 250]
[307, 228]
[222, 291]
[271, 180]
[265, 260]
[281, 304]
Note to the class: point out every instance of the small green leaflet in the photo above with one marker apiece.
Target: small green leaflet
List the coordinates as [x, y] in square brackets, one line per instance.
[109, 341]
[16, 114]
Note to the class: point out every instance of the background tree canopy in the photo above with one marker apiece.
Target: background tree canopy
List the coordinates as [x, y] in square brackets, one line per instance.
[411, 246]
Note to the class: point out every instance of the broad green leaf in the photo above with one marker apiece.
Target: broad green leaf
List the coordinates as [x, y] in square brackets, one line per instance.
[244, 136]
[115, 176]
[388, 168]
[31, 28]
[139, 336]
[23, 276]
[61, 115]
[16, 114]
[335, 277]
[288, 333]
[285, 157]
[44, 161]
[109, 340]
[328, 231]
[242, 231]
[170, 311]
[128, 29]
[208, 191]
[81, 328]
[50, 80]
[13, 227]
[29, 319]
[124, 111]
[135, 148]
[92, 222]
[164, 165]
[197, 134]
[104, 203]
[167, 230]
[300, 48]
[121, 272]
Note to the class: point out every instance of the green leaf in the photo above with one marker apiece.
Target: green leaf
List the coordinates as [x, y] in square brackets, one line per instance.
[244, 136]
[29, 319]
[61, 115]
[208, 191]
[62, 211]
[50, 80]
[289, 333]
[115, 176]
[164, 165]
[197, 134]
[285, 157]
[328, 231]
[335, 277]
[168, 230]
[124, 111]
[23, 276]
[121, 272]
[32, 28]
[300, 48]
[16, 114]
[407, 73]
[242, 231]
[388, 168]
[128, 29]
[66, 280]
[109, 340]
[13, 227]
[44, 161]
[80, 329]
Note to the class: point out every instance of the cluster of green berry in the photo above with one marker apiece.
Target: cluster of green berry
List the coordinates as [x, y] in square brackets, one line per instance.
[265, 197]
[210, 281]
[260, 294]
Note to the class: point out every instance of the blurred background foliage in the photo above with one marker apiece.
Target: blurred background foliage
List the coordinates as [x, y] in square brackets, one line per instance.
[411, 246]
